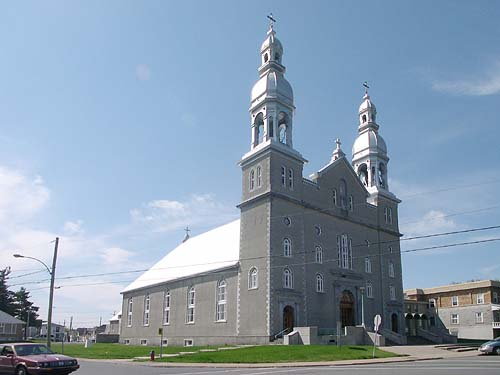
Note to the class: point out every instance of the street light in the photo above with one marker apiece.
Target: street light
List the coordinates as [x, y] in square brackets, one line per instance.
[52, 273]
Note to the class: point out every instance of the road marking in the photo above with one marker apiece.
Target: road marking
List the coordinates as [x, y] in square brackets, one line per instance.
[213, 371]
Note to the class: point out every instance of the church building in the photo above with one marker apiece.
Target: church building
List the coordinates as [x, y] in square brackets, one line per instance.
[319, 251]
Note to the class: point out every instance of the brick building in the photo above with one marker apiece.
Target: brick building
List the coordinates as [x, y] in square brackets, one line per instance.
[468, 310]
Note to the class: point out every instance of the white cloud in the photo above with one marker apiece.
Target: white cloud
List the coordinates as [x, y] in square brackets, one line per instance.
[114, 256]
[73, 227]
[21, 196]
[143, 72]
[433, 221]
[489, 84]
[199, 209]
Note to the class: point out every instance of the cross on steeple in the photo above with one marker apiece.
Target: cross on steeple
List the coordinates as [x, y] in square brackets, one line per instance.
[338, 143]
[272, 20]
[187, 236]
[365, 85]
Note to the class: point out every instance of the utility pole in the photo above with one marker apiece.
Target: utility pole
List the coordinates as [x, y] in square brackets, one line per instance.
[70, 329]
[26, 333]
[51, 295]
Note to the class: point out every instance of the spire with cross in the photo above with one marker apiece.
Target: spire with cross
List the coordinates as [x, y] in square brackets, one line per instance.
[187, 236]
[365, 85]
[337, 153]
[272, 20]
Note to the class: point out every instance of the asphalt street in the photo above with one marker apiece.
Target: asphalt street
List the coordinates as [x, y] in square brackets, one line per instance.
[481, 365]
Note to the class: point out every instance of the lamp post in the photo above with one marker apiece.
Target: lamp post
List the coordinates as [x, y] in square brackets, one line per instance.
[362, 290]
[52, 273]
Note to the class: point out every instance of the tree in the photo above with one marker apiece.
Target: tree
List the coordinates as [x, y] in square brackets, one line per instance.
[24, 307]
[6, 296]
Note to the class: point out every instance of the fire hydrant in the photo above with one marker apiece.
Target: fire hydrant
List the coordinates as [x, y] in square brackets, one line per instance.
[152, 355]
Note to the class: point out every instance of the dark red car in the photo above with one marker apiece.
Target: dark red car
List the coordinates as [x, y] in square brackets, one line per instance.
[34, 359]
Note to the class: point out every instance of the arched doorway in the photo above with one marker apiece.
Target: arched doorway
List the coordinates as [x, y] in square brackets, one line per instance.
[394, 322]
[347, 309]
[288, 317]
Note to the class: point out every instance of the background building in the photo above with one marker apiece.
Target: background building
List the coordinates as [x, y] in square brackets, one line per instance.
[318, 252]
[468, 310]
[11, 329]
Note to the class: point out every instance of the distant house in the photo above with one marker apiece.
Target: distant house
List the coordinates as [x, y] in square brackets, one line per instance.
[114, 324]
[57, 331]
[11, 329]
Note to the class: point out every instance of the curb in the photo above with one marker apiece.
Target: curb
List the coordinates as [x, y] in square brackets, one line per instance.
[281, 365]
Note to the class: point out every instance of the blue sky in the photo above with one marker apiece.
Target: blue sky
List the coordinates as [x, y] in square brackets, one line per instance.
[122, 122]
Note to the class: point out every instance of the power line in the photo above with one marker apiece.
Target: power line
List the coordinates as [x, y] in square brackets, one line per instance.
[290, 265]
[297, 253]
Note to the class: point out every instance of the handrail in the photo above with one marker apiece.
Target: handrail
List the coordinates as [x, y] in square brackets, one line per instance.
[281, 333]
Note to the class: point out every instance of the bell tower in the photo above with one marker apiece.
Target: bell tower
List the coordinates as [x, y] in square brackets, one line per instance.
[369, 152]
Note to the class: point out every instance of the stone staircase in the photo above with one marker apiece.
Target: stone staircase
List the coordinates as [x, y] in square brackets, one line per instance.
[418, 340]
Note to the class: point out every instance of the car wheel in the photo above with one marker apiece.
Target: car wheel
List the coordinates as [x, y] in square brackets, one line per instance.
[497, 350]
[21, 370]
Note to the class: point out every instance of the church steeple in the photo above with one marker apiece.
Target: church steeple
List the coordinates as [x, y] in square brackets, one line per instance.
[369, 152]
[271, 105]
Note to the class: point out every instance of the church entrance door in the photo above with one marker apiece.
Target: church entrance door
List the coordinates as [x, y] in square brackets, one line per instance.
[347, 309]
[288, 317]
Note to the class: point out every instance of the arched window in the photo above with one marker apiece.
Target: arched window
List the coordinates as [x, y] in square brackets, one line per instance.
[271, 127]
[221, 301]
[364, 118]
[259, 128]
[191, 298]
[334, 197]
[339, 251]
[318, 254]
[287, 278]
[319, 283]
[345, 251]
[259, 176]
[351, 203]
[290, 179]
[282, 127]
[363, 174]
[266, 57]
[129, 312]
[391, 269]
[287, 247]
[343, 194]
[368, 265]
[252, 179]
[253, 278]
[283, 176]
[166, 308]
[147, 306]
[369, 290]
[381, 175]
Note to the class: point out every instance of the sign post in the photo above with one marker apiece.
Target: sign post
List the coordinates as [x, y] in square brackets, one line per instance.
[377, 321]
[160, 332]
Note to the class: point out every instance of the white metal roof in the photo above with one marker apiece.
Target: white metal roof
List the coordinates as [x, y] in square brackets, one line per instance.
[216, 249]
[9, 319]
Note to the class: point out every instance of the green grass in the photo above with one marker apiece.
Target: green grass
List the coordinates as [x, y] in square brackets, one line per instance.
[115, 351]
[282, 353]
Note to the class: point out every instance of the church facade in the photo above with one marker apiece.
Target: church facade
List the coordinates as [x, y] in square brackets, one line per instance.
[320, 252]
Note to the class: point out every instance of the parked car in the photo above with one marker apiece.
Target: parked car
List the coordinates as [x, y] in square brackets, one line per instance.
[491, 347]
[34, 359]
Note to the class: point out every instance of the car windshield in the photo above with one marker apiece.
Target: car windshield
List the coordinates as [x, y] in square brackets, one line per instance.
[34, 349]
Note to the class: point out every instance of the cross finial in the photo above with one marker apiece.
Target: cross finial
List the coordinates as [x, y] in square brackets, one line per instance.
[272, 20]
[186, 237]
[365, 85]
[337, 141]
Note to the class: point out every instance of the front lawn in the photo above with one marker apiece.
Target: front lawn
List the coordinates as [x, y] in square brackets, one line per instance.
[115, 351]
[282, 353]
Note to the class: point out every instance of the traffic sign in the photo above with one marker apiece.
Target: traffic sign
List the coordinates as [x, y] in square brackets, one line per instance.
[377, 321]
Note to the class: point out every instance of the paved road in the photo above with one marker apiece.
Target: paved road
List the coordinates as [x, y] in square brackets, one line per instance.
[482, 365]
